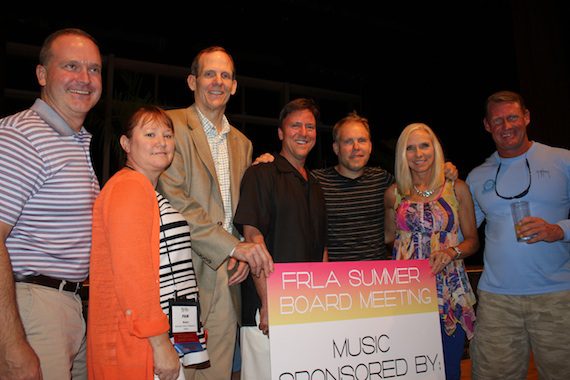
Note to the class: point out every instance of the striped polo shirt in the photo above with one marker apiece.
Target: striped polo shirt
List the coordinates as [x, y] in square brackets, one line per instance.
[47, 189]
[355, 212]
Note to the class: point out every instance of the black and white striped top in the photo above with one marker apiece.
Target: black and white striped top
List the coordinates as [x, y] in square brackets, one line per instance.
[177, 276]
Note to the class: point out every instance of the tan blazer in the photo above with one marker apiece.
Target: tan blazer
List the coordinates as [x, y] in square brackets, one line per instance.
[191, 185]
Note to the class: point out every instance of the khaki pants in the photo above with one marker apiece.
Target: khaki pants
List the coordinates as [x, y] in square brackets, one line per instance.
[55, 328]
[222, 327]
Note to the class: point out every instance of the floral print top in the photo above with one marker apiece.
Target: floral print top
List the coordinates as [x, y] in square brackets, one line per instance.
[423, 227]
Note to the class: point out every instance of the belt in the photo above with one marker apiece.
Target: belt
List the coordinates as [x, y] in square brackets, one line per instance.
[50, 282]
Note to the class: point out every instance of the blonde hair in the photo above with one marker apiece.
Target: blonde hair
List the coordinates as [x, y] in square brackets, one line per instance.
[403, 172]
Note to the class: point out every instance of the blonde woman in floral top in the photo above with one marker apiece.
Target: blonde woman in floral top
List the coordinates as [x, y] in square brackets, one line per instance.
[424, 214]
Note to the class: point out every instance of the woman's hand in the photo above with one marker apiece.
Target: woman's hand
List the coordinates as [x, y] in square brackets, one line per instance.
[439, 259]
[166, 362]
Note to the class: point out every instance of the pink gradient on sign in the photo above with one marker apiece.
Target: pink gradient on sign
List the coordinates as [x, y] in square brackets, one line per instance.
[316, 292]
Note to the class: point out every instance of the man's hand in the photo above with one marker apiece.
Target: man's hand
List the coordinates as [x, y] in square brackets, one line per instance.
[20, 362]
[256, 255]
[450, 171]
[263, 321]
[241, 271]
[540, 230]
[18, 359]
[264, 159]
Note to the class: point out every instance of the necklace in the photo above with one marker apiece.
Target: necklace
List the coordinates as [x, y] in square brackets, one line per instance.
[425, 193]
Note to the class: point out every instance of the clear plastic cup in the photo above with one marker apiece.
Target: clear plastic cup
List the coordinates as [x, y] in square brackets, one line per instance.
[520, 209]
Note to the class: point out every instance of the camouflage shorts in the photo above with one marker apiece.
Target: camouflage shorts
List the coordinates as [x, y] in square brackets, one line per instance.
[509, 327]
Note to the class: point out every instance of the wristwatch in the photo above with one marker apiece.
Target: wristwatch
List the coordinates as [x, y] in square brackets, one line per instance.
[458, 251]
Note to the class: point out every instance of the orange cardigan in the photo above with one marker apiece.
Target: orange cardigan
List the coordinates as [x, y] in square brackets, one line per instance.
[124, 295]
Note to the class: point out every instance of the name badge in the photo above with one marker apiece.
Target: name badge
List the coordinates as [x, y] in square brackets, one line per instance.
[184, 316]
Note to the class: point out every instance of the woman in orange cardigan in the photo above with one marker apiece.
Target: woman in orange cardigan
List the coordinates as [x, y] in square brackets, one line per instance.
[141, 266]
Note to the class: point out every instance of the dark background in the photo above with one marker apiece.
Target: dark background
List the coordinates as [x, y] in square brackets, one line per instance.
[428, 61]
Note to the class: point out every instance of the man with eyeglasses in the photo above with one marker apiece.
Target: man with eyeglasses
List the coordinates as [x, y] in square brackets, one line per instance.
[524, 291]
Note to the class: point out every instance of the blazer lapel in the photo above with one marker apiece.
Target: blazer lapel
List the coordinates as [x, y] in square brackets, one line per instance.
[200, 142]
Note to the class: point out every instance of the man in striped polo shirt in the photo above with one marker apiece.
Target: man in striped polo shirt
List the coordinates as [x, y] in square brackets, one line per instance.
[47, 190]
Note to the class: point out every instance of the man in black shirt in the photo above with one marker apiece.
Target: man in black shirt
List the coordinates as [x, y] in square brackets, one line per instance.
[281, 206]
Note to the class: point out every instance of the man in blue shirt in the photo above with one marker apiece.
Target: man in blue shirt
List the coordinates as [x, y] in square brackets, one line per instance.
[524, 292]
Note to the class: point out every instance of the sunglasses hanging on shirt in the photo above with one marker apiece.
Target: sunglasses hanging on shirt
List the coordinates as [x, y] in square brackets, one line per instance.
[524, 192]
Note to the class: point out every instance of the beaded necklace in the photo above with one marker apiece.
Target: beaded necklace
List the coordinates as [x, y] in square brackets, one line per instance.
[425, 193]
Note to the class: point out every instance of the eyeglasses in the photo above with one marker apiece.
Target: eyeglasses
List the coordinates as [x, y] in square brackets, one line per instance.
[525, 192]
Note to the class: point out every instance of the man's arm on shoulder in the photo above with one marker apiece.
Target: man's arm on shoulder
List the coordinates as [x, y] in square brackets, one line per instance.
[450, 171]
[263, 158]
[17, 358]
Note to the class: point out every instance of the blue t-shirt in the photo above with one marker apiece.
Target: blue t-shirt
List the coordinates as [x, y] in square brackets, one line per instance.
[517, 268]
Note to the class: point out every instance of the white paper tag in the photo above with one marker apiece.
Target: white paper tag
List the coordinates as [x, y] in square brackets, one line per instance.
[184, 318]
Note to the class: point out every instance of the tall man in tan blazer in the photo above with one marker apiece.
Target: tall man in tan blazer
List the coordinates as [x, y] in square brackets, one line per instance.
[203, 184]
